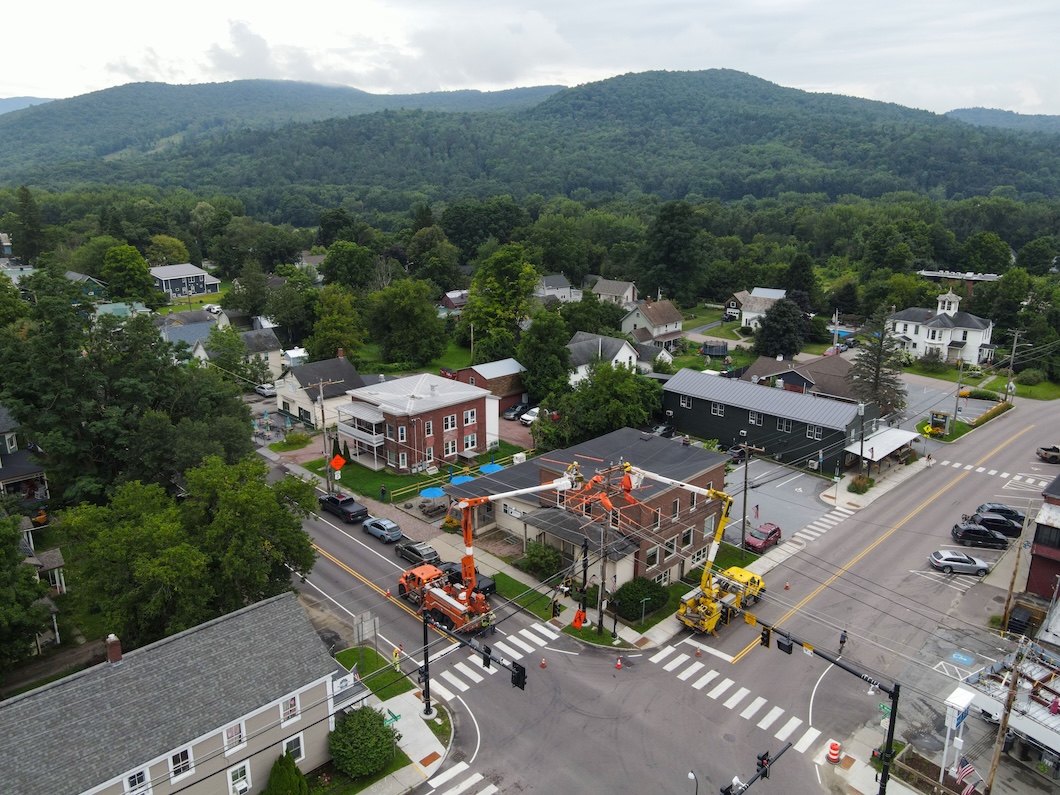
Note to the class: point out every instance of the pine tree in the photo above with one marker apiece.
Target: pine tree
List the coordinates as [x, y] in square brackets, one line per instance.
[876, 375]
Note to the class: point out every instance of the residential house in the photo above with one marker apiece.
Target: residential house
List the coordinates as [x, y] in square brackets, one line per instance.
[622, 293]
[122, 310]
[556, 288]
[311, 393]
[585, 348]
[648, 355]
[800, 429]
[208, 710]
[239, 319]
[953, 334]
[20, 473]
[502, 378]
[262, 345]
[735, 304]
[1045, 550]
[90, 286]
[664, 534]
[294, 357]
[191, 334]
[183, 280]
[412, 423]
[825, 376]
[655, 322]
[5, 245]
[455, 300]
[754, 305]
[184, 318]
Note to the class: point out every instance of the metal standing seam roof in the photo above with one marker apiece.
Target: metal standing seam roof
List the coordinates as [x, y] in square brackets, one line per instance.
[87, 728]
[498, 369]
[769, 400]
[180, 271]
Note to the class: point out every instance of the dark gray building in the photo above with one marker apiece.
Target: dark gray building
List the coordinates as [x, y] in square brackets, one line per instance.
[798, 429]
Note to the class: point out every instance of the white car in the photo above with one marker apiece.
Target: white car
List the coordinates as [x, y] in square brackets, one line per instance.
[265, 390]
[213, 309]
[530, 416]
[951, 561]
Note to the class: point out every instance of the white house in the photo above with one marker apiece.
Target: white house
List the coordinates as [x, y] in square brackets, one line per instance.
[755, 305]
[585, 348]
[557, 287]
[621, 293]
[956, 335]
[305, 388]
[261, 344]
[656, 322]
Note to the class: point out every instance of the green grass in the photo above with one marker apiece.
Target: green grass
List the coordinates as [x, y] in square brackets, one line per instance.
[1046, 390]
[287, 445]
[75, 612]
[740, 358]
[441, 725]
[957, 430]
[341, 784]
[454, 358]
[700, 316]
[727, 331]
[949, 374]
[387, 683]
[511, 589]
[590, 635]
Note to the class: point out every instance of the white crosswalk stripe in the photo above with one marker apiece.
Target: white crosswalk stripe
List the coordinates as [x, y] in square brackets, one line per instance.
[476, 660]
[1017, 477]
[806, 740]
[992, 472]
[437, 691]
[944, 464]
[524, 646]
[464, 785]
[980, 469]
[721, 688]
[788, 728]
[474, 677]
[1004, 474]
[662, 654]
[752, 708]
[736, 697]
[770, 718]
[532, 637]
[676, 662]
[448, 677]
[549, 633]
[705, 680]
[507, 651]
[448, 775]
[690, 671]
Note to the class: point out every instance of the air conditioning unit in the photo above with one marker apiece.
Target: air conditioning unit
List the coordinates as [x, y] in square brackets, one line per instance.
[669, 412]
[813, 464]
[242, 788]
[519, 458]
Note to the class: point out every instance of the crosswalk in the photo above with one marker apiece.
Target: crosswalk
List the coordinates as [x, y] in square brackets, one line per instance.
[819, 527]
[462, 676]
[734, 697]
[1018, 481]
[461, 780]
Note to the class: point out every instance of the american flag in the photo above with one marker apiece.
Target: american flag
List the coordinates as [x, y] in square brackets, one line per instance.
[964, 769]
[756, 511]
[970, 788]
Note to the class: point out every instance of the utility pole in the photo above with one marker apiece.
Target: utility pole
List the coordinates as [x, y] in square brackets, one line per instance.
[747, 450]
[1011, 362]
[1002, 729]
[1012, 580]
[957, 400]
[324, 428]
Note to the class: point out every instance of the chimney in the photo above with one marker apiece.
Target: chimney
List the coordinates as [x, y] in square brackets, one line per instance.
[339, 354]
[113, 649]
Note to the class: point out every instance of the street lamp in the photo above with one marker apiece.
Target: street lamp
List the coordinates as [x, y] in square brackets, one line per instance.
[861, 414]
[692, 777]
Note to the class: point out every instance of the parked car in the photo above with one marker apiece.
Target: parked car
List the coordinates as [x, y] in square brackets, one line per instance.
[344, 507]
[1001, 509]
[1007, 527]
[530, 416]
[213, 309]
[516, 411]
[665, 430]
[975, 535]
[736, 454]
[484, 585]
[762, 538]
[416, 552]
[952, 560]
[265, 390]
[383, 529]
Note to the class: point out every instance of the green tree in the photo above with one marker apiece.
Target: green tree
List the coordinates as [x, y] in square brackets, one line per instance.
[228, 353]
[876, 375]
[12, 307]
[801, 277]
[1037, 256]
[285, 778]
[782, 330]
[250, 292]
[559, 246]
[985, 252]
[544, 353]
[291, 307]
[593, 315]
[671, 255]
[498, 344]
[27, 237]
[166, 250]
[362, 744]
[21, 617]
[89, 257]
[338, 325]
[501, 292]
[349, 265]
[435, 259]
[127, 274]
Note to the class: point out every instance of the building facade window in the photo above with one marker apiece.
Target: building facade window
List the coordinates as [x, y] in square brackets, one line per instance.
[686, 537]
[692, 498]
[651, 558]
[235, 737]
[814, 432]
[698, 557]
[675, 508]
[293, 747]
[755, 418]
[138, 783]
[783, 425]
[449, 422]
[450, 448]
[239, 779]
[471, 441]
[180, 764]
[471, 380]
[428, 454]
[717, 409]
[470, 416]
[658, 518]
[428, 428]
[402, 437]
[403, 460]
[289, 709]
[686, 402]
[389, 431]
[670, 547]
[664, 578]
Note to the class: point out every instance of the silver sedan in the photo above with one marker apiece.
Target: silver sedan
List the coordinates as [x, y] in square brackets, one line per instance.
[950, 561]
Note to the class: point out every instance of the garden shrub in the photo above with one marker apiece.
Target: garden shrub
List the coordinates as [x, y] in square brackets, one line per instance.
[297, 437]
[985, 417]
[362, 744]
[285, 778]
[629, 598]
[983, 394]
[859, 484]
[1030, 377]
[541, 560]
[932, 362]
[746, 331]
[451, 524]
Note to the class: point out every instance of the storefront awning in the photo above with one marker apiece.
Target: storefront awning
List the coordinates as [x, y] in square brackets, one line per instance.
[882, 443]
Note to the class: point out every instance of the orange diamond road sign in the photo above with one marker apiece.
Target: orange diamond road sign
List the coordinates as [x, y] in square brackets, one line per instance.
[337, 463]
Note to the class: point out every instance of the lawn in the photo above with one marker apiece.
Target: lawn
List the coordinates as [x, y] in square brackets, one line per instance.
[511, 589]
[957, 430]
[700, 316]
[1046, 390]
[453, 358]
[728, 331]
[376, 671]
[741, 357]
[949, 374]
[591, 635]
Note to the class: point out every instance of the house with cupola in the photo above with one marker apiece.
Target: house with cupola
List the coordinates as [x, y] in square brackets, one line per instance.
[956, 335]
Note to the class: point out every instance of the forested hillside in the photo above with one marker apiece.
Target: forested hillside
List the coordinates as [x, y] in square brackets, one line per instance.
[8, 104]
[716, 134]
[1007, 120]
[140, 118]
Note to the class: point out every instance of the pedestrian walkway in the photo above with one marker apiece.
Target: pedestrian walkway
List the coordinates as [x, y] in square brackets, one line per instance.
[819, 527]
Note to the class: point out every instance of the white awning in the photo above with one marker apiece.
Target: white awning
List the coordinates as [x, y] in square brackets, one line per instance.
[882, 443]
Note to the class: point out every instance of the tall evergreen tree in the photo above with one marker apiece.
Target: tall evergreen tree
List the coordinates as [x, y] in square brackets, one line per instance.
[27, 242]
[876, 376]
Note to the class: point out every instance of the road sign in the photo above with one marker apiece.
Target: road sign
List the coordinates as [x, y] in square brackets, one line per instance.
[885, 708]
[392, 719]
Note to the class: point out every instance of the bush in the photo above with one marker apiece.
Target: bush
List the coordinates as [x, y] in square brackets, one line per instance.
[932, 362]
[1030, 377]
[362, 744]
[629, 598]
[285, 778]
[912, 458]
[746, 331]
[985, 417]
[451, 524]
[541, 560]
[983, 394]
[860, 484]
[297, 437]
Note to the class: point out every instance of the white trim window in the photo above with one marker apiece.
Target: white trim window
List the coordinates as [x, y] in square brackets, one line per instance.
[755, 417]
[686, 401]
[651, 558]
[692, 496]
[449, 422]
[686, 537]
[471, 441]
[235, 737]
[403, 460]
[295, 747]
[388, 431]
[181, 765]
[137, 783]
[698, 556]
[428, 454]
[814, 432]
[717, 409]
[289, 710]
[657, 521]
[675, 508]
[450, 448]
[239, 779]
[783, 425]
[664, 578]
[428, 427]
[402, 434]
[670, 548]
[470, 416]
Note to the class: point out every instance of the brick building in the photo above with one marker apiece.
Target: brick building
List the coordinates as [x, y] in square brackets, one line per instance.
[503, 378]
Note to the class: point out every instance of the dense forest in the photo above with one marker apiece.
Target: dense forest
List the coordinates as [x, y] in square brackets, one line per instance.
[712, 134]
[1007, 120]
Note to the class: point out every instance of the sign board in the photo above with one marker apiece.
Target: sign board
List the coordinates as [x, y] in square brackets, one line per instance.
[337, 463]
[939, 419]
[391, 719]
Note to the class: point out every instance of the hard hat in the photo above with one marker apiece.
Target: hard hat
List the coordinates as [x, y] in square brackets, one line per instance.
[627, 466]
[574, 463]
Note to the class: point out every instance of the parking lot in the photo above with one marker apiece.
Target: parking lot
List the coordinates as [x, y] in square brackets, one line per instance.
[787, 497]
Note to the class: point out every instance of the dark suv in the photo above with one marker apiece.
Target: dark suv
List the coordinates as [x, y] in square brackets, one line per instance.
[484, 585]
[975, 535]
[995, 521]
[416, 552]
[346, 508]
[1002, 510]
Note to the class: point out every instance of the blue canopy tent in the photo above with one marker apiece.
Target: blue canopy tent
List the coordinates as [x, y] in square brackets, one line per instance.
[432, 493]
[489, 469]
[462, 479]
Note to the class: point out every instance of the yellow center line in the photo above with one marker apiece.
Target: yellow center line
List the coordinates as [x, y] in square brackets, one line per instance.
[813, 594]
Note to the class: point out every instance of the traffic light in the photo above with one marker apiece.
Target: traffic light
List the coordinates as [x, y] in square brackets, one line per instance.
[767, 633]
[555, 609]
[726, 790]
[518, 676]
[784, 643]
[485, 656]
[763, 764]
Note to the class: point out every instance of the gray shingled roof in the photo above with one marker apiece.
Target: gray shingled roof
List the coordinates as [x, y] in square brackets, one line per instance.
[262, 340]
[556, 281]
[191, 333]
[87, 728]
[928, 317]
[611, 287]
[338, 369]
[775, 402]
[584, 347]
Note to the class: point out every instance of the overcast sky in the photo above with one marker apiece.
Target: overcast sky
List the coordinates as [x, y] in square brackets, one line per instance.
[931, 54]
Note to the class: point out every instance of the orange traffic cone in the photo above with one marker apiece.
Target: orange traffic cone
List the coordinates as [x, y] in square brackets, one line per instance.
[698, 652]
[618, 664]
[833, 752]
[543, 663]
[787, 586]
[387, 593]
